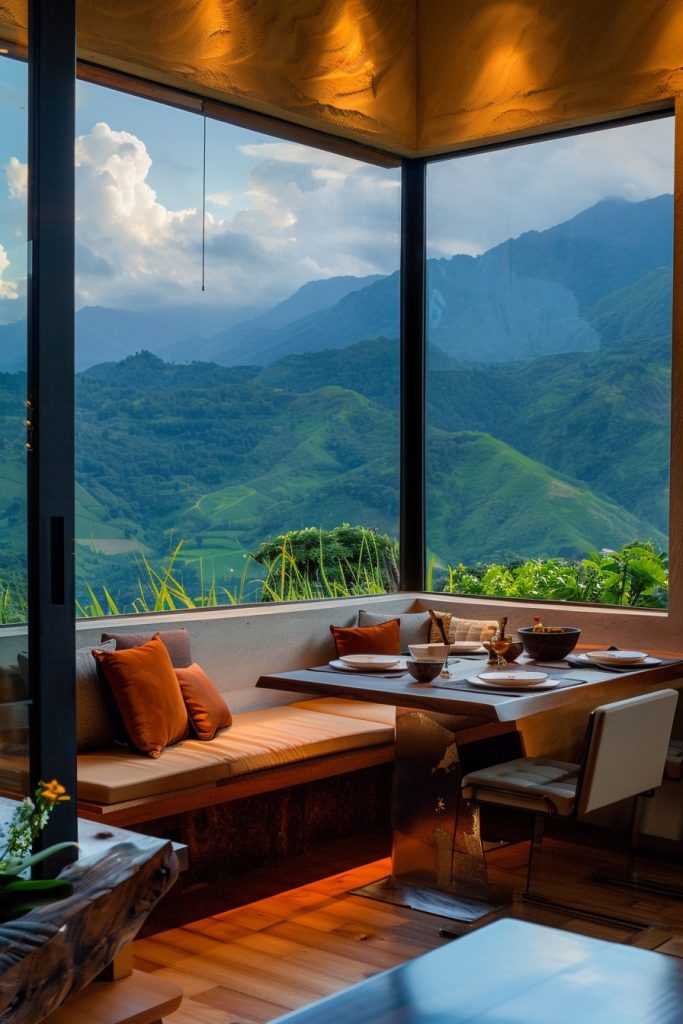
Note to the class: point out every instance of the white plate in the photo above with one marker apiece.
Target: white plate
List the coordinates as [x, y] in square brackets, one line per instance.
[616, 657]
[370, 660]
[389, 664]
[544, 684]
[514, 677]
[644, 663]
[467, 647]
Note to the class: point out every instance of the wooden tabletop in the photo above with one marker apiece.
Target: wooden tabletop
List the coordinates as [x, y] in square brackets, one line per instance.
[402, 690]
[514, 972]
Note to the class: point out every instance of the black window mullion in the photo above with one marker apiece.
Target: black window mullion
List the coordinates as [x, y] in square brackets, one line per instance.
[413, 374]
[50, 455]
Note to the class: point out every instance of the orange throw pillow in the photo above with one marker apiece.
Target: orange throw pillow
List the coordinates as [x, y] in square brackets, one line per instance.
[382, 639]
[207, 710]
[147, 694]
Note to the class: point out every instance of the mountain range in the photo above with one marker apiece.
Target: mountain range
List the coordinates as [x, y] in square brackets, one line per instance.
[548, 411]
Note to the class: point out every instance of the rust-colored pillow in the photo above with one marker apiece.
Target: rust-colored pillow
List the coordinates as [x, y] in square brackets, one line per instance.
[147, 694]
[382, 639]
[207, 710]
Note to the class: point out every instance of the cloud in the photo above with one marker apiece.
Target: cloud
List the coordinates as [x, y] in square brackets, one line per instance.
[478, 201]
[17, 178]
[8, 289]
[303, 215]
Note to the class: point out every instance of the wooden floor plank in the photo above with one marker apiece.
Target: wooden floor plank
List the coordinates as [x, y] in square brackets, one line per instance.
[240, 1006]
[248, 965]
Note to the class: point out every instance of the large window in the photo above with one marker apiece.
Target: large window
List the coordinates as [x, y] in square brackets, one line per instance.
[13, 527]
[549, 367]
[237, 359]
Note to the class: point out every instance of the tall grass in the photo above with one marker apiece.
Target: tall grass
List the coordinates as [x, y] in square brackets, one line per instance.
[277, 578]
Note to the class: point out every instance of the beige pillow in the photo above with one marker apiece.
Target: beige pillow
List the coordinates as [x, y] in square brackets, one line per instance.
[460, 629]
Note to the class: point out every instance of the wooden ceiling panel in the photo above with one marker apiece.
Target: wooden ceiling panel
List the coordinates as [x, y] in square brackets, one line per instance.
[505, 68]
[344, 66]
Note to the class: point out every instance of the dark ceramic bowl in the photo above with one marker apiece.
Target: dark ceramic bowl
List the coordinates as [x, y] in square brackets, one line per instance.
[424, 671]
[549, 646]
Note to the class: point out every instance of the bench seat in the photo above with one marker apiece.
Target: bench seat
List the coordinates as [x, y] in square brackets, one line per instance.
[257, 740]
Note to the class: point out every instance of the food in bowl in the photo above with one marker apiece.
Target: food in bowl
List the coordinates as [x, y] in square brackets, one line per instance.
[549, 646]
[430, 652]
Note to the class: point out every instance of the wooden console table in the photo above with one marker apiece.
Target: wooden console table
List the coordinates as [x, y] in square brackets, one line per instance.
[52, 959]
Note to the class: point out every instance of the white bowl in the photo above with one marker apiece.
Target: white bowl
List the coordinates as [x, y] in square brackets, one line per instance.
[430, 652]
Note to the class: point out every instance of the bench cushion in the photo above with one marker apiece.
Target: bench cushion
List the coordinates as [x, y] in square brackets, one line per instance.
[257, 739]
[385, 714]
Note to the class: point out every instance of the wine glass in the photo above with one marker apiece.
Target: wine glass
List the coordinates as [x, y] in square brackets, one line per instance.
[499, 645]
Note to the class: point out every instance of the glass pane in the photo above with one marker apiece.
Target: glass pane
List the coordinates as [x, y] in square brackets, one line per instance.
[13, 586]
[237, 373]
[550, 279]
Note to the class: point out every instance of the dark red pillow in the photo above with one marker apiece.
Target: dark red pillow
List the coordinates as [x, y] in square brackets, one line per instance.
[382, 639]
[207, 710]
[146, 690]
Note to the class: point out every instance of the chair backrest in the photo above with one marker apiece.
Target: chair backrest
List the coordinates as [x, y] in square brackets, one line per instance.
[627, 749]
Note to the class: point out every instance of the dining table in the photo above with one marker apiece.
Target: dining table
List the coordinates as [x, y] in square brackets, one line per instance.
[455, 724]
[514, 972]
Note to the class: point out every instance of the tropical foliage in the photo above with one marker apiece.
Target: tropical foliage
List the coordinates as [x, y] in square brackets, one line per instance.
[636, 575]
[340, 562]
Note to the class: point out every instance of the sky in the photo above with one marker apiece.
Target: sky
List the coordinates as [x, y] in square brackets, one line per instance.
[279, 214]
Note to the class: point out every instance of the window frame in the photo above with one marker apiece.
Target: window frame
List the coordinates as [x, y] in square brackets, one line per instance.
[650, 628]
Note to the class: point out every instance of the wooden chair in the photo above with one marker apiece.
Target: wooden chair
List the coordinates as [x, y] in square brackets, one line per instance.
[625, 751]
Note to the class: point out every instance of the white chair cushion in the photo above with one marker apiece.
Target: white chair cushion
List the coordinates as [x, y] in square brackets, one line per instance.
[529, 783]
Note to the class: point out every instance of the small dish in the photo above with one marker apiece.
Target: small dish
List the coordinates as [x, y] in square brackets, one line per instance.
[467, 647]
[512, 677]
[399, 667]
[616, 657]
[544, 684]
[376, 661]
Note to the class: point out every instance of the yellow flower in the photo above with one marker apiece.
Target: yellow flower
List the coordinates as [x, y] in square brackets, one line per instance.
[53, 793]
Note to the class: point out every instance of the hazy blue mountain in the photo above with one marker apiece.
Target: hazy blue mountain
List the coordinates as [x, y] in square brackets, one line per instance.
[13, 346]
[526, 297]
[262, 334]
[112, 334]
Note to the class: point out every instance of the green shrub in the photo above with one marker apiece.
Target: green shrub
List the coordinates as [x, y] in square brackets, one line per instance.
[636, 575]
